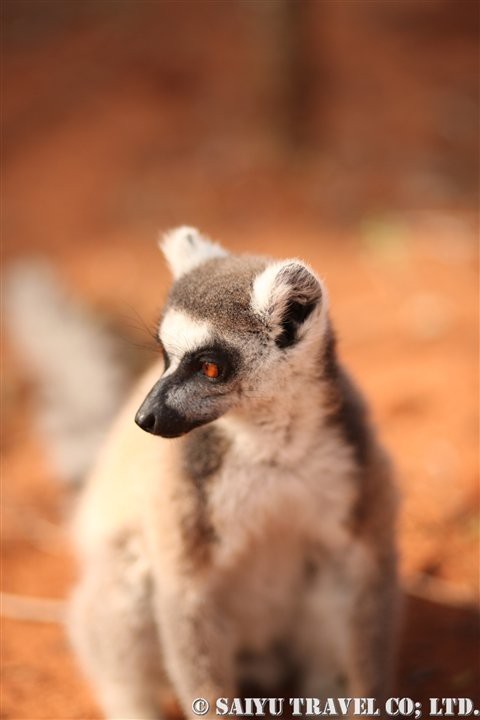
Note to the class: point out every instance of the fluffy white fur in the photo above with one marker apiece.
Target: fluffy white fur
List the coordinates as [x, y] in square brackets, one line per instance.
[185, 248]
[272, 288]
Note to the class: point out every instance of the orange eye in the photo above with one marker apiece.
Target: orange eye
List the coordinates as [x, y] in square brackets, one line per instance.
[210, 369]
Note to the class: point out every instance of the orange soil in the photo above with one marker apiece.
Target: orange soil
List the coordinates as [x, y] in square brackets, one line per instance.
[88, 193]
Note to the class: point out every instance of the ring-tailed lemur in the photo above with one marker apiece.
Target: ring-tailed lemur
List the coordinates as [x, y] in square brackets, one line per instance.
[261, 539]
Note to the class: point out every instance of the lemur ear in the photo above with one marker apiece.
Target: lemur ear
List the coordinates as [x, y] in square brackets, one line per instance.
[285, 294]
[185, 248]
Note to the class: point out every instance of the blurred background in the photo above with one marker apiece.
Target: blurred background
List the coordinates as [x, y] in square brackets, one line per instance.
[345, 132]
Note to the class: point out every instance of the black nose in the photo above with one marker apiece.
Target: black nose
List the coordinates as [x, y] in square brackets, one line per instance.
[146, 420]
[157, 418]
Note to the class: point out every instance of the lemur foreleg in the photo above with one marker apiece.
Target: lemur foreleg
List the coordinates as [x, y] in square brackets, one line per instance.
[197, 648]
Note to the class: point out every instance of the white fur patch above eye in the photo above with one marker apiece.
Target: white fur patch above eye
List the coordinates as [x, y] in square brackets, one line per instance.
[185, 248]
[180, 334]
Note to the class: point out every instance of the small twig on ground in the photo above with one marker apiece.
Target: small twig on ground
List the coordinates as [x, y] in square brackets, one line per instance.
[427, 587]
[33, 609]
[47, 610]
[42, 533]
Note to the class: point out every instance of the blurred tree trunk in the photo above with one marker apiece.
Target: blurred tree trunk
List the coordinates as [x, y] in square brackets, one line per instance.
[291, 67]
[299, 81]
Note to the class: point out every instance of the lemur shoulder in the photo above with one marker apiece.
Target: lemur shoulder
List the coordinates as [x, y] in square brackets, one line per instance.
[242, 531]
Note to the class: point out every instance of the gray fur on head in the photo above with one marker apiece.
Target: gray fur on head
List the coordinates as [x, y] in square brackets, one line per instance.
[251, 316]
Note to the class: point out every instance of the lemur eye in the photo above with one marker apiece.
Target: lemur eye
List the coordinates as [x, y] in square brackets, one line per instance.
[210, 369]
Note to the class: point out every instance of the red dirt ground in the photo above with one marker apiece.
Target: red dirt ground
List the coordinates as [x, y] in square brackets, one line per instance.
[89, 192]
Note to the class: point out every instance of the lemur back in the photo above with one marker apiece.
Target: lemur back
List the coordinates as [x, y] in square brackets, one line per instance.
[244, 532]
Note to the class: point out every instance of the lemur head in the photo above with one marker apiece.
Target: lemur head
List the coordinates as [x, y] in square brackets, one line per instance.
[235, 330]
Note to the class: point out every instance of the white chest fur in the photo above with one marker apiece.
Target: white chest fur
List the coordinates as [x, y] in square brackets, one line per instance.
[305, 493]
[271, 514]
